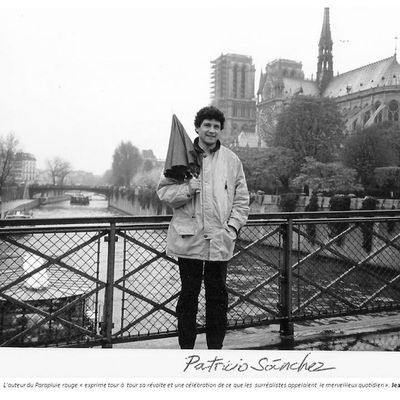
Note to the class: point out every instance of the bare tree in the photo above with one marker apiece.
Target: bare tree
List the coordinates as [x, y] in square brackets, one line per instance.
[8, 148]
[58, 170]
[126, 163]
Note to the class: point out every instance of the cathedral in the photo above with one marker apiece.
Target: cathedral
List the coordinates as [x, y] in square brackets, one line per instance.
[365, 95]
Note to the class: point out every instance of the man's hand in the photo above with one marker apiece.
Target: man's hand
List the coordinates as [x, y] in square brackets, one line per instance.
[194, 185]
[233, 231]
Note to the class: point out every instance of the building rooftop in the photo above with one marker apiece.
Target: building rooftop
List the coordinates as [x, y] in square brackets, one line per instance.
[24, 156]
[381, 73]
[240, 57]
[294, 86]
[285, 61]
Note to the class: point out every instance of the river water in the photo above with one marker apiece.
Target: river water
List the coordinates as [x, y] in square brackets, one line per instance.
[128, 254]
[98, 207]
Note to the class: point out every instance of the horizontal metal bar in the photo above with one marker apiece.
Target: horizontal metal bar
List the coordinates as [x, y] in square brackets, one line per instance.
[159, 219]
[360, 220]
[325, 214]
[86, 220]
[23, 230]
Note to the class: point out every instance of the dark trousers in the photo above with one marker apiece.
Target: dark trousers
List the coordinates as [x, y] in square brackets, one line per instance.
[191, 273]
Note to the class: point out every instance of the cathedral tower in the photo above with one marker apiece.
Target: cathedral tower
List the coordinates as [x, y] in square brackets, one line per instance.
[232, 81]
[325, 58]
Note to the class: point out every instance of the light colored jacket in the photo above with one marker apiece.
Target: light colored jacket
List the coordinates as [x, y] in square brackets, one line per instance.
[199, 226]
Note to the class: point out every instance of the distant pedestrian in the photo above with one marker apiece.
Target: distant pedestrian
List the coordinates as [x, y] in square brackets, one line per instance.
[208, 213]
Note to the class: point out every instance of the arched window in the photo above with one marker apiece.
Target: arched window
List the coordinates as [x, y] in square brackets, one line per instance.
[379, 117]
[243, 83]
[393, 111]
[278, 89]
[235, 80]
[234, 128]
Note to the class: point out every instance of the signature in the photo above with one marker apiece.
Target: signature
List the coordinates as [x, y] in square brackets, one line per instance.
[194, 362]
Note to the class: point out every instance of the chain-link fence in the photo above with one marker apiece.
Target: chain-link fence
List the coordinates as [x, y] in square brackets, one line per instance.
[50, 285]
[345, 265]
[108, 280]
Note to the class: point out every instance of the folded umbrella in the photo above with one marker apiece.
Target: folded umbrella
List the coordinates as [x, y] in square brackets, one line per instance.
[181, 162]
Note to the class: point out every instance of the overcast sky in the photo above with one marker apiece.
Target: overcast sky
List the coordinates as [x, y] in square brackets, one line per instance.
[77, 79]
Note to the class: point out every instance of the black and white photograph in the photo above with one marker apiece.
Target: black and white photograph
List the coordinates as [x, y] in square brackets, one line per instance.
[198, 196]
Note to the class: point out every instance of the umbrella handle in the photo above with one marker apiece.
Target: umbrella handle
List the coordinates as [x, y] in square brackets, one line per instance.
[194, 203]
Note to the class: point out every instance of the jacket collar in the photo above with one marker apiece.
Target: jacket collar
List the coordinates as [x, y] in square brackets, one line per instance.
[199, 150]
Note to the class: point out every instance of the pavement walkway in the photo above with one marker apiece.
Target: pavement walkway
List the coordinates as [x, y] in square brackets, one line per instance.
[380, 331]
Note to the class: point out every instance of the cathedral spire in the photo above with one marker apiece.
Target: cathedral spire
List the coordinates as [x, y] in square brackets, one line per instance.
[325, 58]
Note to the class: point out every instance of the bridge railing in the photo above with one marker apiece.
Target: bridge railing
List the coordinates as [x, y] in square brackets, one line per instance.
[101, 281]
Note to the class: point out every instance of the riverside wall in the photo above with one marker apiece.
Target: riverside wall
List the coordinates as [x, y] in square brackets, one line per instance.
[261, 204]
[29, 204]
[270, 203]
[138, 202]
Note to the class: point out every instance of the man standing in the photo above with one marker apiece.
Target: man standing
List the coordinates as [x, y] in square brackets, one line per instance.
[208, 213]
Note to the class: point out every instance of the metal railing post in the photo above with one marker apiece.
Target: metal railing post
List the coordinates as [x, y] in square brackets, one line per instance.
[286, 326]
[107, 325]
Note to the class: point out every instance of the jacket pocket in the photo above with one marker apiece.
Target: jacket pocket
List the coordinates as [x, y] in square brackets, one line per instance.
[233, 236]
[222, 245]
[185, 226]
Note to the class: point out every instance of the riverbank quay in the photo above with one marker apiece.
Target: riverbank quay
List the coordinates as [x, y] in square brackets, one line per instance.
[29, 204]
[146, 202]
[109, 282]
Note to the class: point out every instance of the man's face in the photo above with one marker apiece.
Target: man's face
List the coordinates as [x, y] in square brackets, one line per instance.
[208, 132]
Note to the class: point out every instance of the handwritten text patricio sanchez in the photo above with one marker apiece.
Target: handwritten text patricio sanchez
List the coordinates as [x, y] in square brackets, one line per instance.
[264, 364]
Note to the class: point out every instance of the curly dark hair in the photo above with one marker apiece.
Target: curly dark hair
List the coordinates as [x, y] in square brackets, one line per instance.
[209, 112]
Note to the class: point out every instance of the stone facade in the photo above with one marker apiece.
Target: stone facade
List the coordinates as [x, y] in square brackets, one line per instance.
[23, 168]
